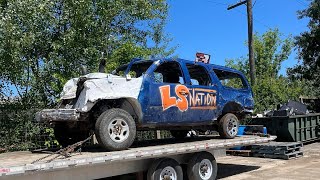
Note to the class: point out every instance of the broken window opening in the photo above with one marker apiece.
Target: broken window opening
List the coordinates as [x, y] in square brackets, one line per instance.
[137, 69]
[169, 72]
[230, 79]
[198, 75]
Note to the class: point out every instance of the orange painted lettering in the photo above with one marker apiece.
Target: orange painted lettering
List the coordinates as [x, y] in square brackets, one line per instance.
[167, 100]
[182, 102]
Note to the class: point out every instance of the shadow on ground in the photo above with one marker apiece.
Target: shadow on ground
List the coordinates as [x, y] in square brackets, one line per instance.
[226, 170]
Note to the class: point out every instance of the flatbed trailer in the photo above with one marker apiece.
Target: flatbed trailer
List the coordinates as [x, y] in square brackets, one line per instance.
[93, 164]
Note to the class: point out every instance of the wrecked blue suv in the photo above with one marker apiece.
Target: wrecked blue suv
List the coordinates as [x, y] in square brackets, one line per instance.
[171, 94]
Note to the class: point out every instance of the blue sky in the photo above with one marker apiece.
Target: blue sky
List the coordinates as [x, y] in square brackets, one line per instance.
[207, 26]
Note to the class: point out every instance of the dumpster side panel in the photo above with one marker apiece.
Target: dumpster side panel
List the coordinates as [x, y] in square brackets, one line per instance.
[292, 128]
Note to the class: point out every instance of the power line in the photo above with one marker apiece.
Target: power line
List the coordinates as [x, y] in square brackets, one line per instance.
[259, 21]
[255, 19]
[217, 3]
[302, 3]
[254, 3]
[237, 4]
[244, 14]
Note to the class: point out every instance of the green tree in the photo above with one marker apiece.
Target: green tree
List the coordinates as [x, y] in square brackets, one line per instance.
[308, 45]
[45, 42]
[271, 88]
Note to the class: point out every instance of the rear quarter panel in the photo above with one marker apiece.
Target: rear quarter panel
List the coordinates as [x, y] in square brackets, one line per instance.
[243, 97]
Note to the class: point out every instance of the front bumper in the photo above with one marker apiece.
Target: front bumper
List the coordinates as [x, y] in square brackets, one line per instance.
[51, 115]
[248, 110]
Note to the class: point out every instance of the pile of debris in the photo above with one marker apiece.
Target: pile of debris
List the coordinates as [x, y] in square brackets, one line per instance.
[291, 108]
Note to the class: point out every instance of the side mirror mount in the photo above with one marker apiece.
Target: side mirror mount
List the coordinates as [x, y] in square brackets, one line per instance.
[128, 77]
[83, 70]
[102, 65]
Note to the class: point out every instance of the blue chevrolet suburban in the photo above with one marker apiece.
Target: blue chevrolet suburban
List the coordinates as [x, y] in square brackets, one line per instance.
[171, 94]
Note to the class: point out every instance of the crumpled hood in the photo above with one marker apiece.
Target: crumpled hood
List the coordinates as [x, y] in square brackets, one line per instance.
[99, 86]
[70, 88]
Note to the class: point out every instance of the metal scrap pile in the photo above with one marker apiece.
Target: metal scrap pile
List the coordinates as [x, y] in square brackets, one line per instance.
[289, 109]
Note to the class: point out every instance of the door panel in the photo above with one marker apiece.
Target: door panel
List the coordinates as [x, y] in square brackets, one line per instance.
[171, 101]
[202, 95]
[201, 104]
[165, 103]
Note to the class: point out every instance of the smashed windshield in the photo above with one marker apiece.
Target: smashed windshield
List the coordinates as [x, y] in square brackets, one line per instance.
[136, 70]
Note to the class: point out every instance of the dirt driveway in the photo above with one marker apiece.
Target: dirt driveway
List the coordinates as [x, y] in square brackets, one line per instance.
[306, 167]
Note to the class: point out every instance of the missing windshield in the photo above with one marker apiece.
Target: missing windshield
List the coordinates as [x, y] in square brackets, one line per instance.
[136, 70]
[230, 79]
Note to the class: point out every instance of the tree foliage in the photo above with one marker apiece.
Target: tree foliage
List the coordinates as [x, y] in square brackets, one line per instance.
[308, 45]
[271, 88]
[43, 43]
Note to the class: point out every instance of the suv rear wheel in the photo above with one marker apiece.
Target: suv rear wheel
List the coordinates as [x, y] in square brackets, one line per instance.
[228, 126]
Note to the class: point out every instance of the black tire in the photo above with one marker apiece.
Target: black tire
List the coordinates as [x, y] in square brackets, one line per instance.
[65, 136]
[202, 163]
[96, 127]
[179, 134]
[184, 170]
[115, 129]
[228, 126]
[159, 167]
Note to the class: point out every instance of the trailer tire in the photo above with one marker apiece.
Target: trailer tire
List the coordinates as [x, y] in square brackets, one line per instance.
[179, 134]
[228, 126]
[165, 167]
[115, 129]
[202, 166]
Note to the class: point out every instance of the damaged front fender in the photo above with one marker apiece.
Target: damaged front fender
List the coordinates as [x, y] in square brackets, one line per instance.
[100, 86]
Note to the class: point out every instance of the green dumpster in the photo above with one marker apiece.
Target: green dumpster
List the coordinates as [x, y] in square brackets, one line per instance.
[292, 128]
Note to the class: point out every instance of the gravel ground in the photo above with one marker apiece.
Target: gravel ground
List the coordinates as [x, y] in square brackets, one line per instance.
[251, 168]
[306, 167]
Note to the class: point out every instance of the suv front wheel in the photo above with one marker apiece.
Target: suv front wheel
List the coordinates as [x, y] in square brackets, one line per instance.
[115, 129]
[228, 126]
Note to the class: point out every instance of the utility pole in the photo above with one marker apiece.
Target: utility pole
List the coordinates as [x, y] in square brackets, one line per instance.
[250, 37]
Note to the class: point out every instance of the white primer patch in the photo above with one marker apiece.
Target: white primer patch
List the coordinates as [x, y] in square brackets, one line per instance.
[101, 86]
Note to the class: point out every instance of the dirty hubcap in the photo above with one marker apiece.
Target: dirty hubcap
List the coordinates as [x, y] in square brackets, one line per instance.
[118, 130]
[232, 127]
[205, 169]
[168, 173]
